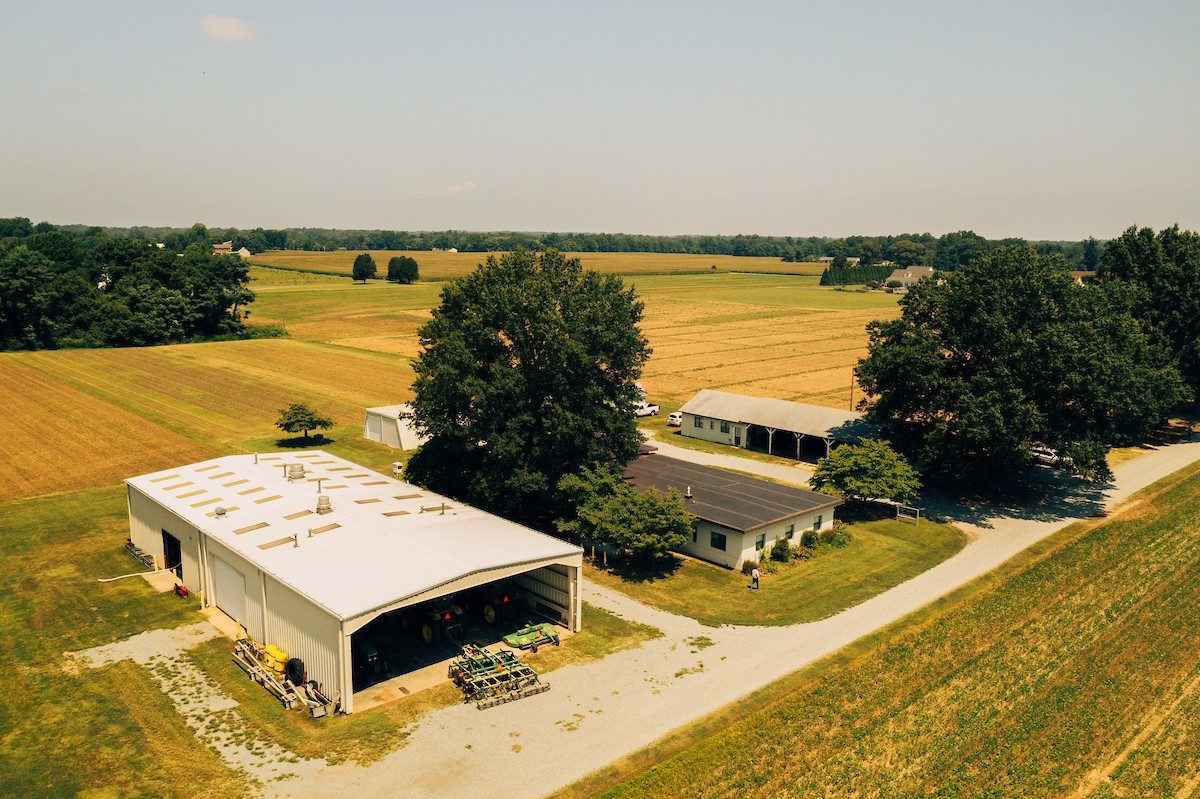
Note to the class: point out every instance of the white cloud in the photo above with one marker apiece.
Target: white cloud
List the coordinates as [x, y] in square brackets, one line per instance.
[226, 29]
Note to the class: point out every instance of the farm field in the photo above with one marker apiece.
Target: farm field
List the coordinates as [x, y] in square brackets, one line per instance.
[447, 265]
[773, 335]
[1074, 670]
[883, 553]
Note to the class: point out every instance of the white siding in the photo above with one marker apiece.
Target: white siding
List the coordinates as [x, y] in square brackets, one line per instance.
[253, 615]
[710, 430]
[147, 520]
[305, 631]
[804, 522]
[731, 556]
[549, 585]
[373, 429]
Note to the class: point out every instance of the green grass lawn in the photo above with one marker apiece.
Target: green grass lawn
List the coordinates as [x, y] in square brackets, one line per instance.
[109, 732]
[366, 736]
[883, 553]
[1072, 670]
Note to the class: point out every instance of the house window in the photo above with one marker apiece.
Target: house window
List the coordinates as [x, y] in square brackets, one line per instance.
[817, 523]
[724, 427]
[697, 421]
[716, 540]
[693, 535]
[710, 424]
[760, 543]
[791, 531]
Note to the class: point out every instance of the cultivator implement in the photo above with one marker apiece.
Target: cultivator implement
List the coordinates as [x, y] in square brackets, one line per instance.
[492, 678]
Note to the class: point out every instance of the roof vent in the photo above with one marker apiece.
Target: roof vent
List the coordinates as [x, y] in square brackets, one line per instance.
[688, 494]
[323, 505]
[295, 471]
[220, 512]
[397, 468]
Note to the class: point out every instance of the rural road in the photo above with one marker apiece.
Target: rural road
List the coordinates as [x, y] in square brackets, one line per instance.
[600, 711]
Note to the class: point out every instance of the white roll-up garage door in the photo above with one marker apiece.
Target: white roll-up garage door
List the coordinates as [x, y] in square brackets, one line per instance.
[229, 589]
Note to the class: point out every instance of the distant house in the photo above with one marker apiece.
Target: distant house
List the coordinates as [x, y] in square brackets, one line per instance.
[737, 517]
[828, 259]
[902, 279]
[780, 427]
[226, 248]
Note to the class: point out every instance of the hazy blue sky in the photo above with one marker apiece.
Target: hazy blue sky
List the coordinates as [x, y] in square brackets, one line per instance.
[1043, 120]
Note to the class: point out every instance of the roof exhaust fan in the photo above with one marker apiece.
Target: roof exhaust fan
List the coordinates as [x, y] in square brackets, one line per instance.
[323, 505]
[688, 493]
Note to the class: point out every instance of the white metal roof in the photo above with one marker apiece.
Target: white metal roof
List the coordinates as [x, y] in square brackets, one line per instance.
[798, 417]
[391, 411]
[384, 541]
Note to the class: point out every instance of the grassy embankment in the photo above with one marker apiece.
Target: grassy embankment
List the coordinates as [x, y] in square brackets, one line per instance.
[1073, 670]
[882, 553]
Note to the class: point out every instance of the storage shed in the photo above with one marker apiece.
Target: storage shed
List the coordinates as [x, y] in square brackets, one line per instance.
[390, 425]
[779, 427]
[738, 517]
[306, 548]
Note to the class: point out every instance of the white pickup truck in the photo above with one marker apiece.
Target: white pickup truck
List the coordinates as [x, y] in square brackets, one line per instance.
[644, 408]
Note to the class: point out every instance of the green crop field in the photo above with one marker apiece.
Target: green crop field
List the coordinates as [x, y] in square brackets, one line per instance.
[447, 265]
[1072, 671]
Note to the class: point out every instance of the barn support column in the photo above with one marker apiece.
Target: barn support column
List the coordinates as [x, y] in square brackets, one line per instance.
[344, 662]
[826, 440]
[799, 438]
[770, 440]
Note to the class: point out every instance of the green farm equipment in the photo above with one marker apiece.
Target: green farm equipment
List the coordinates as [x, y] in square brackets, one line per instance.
[492, 678]
[532, 636]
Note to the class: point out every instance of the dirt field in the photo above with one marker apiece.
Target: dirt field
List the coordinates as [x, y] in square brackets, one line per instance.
[446, 265]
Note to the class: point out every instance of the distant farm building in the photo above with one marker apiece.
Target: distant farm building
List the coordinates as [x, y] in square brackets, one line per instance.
[901, 280]
[306, 550]
[226, 248]
[778, 427]
[737, 517]
[391, 425]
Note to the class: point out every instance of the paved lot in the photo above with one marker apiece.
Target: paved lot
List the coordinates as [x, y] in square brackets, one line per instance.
[601, 711]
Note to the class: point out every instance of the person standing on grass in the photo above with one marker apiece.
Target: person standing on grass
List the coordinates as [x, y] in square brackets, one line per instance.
[754, 575]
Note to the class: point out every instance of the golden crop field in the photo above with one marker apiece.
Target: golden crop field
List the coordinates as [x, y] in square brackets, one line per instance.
[58, 438]
[446, 265]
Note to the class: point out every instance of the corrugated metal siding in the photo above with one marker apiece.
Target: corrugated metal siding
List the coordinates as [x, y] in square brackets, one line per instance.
[147, 520]
[550, 585]
[254, 614]
[305, 631]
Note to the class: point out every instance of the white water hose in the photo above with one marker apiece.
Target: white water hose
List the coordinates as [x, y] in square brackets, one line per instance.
[138, 574]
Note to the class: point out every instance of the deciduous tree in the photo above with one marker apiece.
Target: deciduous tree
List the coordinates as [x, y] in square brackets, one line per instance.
[1010, 352]
[364, 267]
[402, 269]
[298, 417]
[527, 372]
[606, 510]
[868, 470]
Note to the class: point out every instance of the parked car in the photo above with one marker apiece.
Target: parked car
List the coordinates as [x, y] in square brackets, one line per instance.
[675, 419]
[645, 409]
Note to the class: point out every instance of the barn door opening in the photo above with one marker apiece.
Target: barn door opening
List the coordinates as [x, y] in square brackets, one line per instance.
[172, 554]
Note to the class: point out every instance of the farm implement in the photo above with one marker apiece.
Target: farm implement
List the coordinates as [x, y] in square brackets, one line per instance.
[283, 677]
[492, 678]
[532, 636]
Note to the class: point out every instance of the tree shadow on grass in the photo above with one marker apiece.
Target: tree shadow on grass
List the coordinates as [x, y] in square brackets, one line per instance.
[642, 571]
[301, 442]
[1038, 494]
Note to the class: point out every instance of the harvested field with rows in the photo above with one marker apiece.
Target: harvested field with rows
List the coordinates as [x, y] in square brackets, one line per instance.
[1072, 671]
[447, 265]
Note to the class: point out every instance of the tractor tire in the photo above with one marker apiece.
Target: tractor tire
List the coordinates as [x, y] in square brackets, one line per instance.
[489, 613]
[428, 634]
[533, 645]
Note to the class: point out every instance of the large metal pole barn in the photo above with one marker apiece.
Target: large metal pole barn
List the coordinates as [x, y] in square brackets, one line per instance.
[304, 549]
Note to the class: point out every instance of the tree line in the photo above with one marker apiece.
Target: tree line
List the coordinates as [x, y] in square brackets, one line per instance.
[61, 288]
[945, 252]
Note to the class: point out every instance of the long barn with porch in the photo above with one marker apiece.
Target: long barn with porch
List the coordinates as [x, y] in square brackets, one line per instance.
[779, 427]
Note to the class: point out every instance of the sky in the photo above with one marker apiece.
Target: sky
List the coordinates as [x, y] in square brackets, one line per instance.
[1040, 120]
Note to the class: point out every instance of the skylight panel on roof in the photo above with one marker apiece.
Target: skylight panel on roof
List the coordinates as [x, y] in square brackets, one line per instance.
[195, 493]
[250, 528]
[375, 483]
[367, 501]
[298, 515]
[250, 491]
[395, 513]
[177, 485]
[219, 475]
[271, 498]
[231, 509]
[290, 539]
[238, 482]
[209, 467]
[164, 478]
[322, 529]
[204, 502]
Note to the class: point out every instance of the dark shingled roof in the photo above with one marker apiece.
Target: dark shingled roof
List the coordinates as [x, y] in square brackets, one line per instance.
[731, 500]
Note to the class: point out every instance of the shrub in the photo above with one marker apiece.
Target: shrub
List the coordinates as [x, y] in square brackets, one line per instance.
[781, 550]
[808, 539]
[840, 534]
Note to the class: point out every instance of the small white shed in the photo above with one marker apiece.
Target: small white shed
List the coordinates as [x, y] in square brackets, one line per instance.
[390, 425]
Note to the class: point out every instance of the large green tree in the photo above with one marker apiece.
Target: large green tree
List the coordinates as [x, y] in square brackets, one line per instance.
[606, 510]
[870, 469]
[402, 269]
[1007, 353]
[363, 268]
[299, 418]
[527, 372]
[1162, 271]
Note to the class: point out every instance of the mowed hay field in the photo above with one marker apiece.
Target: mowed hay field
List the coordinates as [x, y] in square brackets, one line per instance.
[772, 335]
[447, 265]
[1072, 671]
[92, 417]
